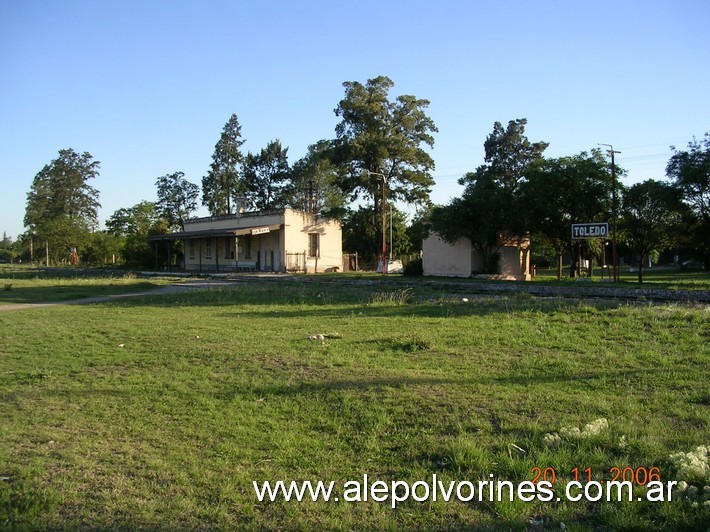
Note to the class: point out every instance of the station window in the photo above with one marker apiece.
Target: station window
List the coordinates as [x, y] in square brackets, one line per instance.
[313, 245]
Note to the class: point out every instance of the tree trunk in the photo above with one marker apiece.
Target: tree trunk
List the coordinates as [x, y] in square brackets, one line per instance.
[559, 266]
[590, 268]
[641, 268]
[576, 267]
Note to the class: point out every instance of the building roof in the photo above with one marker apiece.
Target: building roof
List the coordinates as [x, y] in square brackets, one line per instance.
[216, 233]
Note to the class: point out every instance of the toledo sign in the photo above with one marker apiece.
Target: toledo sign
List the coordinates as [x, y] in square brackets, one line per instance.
[581, 231]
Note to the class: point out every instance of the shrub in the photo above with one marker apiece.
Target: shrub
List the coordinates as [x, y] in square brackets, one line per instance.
[414, 267]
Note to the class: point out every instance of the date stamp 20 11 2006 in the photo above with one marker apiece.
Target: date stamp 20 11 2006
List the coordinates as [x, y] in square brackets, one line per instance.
[639, 476]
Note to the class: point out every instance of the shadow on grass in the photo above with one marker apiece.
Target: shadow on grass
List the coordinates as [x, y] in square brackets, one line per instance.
[68, 292]
[586, 380]
[293, 300]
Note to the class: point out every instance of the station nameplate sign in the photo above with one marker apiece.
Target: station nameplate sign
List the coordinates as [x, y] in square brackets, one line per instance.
[594, 230]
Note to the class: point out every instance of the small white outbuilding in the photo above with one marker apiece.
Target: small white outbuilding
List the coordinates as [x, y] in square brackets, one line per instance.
[460, 259]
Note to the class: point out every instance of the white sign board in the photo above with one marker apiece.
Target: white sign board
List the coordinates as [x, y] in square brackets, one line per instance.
[595, 230]
[260, 230]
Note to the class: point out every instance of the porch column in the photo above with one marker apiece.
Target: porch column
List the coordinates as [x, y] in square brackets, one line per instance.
[236, 253]
[216, 254]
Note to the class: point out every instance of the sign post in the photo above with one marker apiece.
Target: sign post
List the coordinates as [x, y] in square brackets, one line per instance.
[590, 231]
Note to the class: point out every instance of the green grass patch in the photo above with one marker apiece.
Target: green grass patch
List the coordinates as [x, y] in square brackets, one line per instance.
[35, 285]
[661, 277]
[159, 412]
[664, 277]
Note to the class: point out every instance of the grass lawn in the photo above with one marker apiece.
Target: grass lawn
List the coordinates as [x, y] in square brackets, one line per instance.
[665, 277]
[25, 284]
[160, 412]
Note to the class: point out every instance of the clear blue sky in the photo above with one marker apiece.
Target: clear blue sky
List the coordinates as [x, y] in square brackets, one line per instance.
[146, 86]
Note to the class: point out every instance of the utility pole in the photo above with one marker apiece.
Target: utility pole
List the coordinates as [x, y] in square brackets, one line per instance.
[384, 226]
[391, 220]
[611, 152]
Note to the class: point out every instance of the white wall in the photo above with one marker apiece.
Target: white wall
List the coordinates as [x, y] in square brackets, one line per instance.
[299, 225]
[441, 258]
[460, 260]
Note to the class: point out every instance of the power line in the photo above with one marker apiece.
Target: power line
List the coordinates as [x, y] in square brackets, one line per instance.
[648, 156]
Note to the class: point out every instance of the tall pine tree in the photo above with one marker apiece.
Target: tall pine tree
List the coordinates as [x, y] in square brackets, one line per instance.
[62, 208]
[265, 176]
[223, 183]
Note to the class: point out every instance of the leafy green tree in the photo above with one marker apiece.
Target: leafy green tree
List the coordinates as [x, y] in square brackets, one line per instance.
[62, 208]
[508, 156]
[265, 176]
[479, 215]
[653, 213]
[8, 251]
[490, 205]
[509, 153]
[562, 191]
[418, 228]
[313, 184]
[102, 248]
[24, 247]
[222, 184]
[378, 135]
[139, 219]
[690, 171]
[132, 226]
[400, 243]
[177, 199]
[362, 233]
